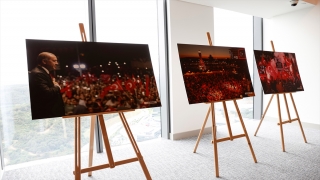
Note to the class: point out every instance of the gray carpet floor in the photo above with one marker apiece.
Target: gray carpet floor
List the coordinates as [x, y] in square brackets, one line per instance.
[170, 160]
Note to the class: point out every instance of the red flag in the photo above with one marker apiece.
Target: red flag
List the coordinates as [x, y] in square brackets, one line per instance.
[69, 93]
[104, 91]
[64, 89]
[134, 79]
[130, 85]
[117, 85]
[67, 90]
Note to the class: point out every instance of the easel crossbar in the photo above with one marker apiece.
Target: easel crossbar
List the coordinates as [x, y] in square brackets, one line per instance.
[289, 121]
[229, 139]
[103, 166]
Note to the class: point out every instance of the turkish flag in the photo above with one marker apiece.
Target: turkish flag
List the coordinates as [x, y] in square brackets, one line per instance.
[130, 85]
[116, 86]
[134, 79]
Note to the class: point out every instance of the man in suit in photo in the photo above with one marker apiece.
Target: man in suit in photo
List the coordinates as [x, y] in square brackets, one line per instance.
[45, 96]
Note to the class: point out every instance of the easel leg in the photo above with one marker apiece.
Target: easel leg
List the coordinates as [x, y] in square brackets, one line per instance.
[93, 120]
[245, 131]
[214, 140]
[285, 100]
[280, 123]
[264, 113]
[201, 131]
[134, 145]
[77, 146]
[227, 119]
[106, 141]
[295, 109]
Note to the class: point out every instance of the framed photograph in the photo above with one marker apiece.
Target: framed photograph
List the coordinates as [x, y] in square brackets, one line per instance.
[68, 78]
[278, 72]
[214, 73]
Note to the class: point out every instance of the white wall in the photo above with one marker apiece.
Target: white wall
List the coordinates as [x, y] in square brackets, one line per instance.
[298, 32]
[188, 24]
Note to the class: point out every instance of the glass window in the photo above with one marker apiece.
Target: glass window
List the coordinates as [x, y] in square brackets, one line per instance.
[236, 30]
[25, 139]
[134, 22]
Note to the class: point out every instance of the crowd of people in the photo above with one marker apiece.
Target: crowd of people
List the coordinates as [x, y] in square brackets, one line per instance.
[278, 72]
[91, 94]
[209, 87]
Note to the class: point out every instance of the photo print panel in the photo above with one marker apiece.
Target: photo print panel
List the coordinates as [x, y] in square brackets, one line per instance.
[69, 78]
[214, 73]
[278, 72]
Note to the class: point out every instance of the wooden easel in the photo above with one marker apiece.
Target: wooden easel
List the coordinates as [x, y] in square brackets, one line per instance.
[111, 163]
[279, 113]
[214, 128]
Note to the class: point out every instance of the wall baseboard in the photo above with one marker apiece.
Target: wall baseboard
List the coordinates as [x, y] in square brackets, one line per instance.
[188, 134]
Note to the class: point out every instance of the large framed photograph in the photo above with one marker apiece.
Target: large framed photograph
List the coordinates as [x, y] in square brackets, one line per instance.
[278, 72]
[214, 73]
[69, 78]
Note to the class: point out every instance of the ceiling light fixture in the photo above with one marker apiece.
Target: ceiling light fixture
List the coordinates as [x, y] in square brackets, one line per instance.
[294, 2]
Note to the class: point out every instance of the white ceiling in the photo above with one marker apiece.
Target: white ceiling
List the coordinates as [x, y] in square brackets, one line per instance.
[258, 8]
